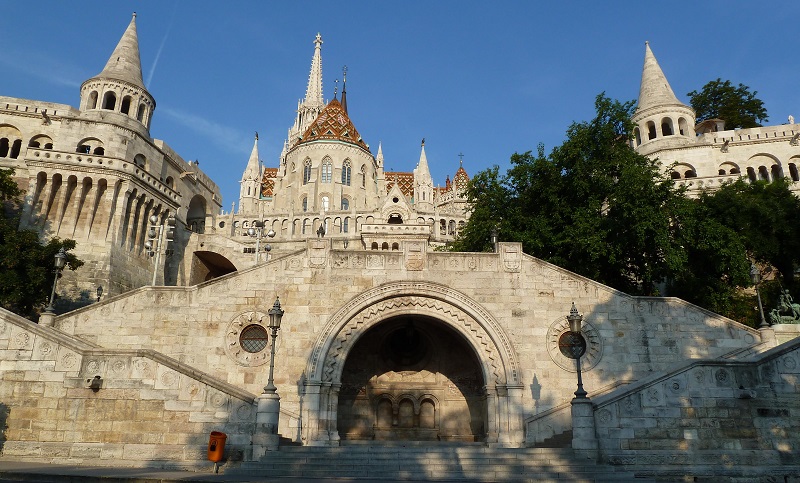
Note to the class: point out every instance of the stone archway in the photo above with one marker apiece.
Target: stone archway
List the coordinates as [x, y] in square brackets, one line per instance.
[474, 325]
[412, 378]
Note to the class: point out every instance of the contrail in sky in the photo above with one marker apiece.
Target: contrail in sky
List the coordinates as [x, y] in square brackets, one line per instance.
[161, 47]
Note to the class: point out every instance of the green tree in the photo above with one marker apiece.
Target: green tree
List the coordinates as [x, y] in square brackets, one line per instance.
[593, 206]
[26, 265]
[766, 216]
[737, 106]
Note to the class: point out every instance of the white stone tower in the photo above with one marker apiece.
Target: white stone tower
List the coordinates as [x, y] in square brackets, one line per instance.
[662, 121]
[423, 184]
[119, 89]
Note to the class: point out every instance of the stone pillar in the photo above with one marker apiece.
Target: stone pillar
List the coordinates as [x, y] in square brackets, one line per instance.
[491, 414]
[312, 419]
[46, 319]
[768, 336]
[516, 421]
[333, 411]
[265, 437]
[584, 436]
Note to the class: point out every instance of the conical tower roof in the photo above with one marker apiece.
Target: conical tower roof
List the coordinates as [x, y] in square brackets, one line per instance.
[253, 165]
[314, 88]
[332, 124]
[422, 165]
[124, 63]
[655, 90]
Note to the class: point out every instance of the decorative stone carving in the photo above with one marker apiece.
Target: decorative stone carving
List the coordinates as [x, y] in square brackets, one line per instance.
[594, 345]
[232, 343]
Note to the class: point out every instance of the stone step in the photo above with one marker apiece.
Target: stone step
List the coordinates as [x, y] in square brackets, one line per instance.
[430, 462]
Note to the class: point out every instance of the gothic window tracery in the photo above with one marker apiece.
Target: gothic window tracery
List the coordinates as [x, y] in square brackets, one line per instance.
[306, 171]
[346, 172]
[327, 170]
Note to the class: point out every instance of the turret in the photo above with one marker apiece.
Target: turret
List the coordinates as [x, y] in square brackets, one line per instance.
[250, 185]
[662, 121]
[423, 184]
[119, 87]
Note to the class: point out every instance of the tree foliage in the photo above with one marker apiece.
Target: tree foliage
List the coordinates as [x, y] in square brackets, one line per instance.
[766, 216]
[26, 265]
[596, 207]
[737, 106]
[593, 206]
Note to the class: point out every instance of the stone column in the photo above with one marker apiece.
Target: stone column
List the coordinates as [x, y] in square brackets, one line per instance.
[312, 420]
[333, 410]
[491, 414]
[265, 437]
[46, 319]
[584, 436]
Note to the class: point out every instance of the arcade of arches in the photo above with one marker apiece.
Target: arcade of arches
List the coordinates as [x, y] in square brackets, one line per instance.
[412, 378]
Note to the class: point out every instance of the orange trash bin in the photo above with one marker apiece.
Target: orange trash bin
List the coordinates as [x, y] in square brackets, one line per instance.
[216, 446]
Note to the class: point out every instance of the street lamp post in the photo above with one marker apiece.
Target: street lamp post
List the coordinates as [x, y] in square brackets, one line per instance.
[275, 316]
[573, 345]
[265, 437]
[755, 276]
[494, 238]
[153, 244]
[58, 264]
[576, 345]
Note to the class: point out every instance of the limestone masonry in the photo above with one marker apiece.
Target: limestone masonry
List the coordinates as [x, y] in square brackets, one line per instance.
[384, 339]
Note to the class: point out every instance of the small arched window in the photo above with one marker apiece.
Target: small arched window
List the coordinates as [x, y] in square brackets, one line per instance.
[346, 172]
[793, 172]
[326, 202]
[99, 151]
[305, 205]
[125, 108]
[140, 112]
[109, 101]
[346, 225]
[666, 127]
[92, 100]
[327, 170]
[345, 204]
[651, 130]
[307, 171]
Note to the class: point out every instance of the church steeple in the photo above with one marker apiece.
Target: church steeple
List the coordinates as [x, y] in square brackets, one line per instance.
[309, 108]
[119, 86]
[314, 88]
[661, 119]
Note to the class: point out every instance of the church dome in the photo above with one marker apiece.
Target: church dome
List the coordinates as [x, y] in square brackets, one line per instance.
[333, 124]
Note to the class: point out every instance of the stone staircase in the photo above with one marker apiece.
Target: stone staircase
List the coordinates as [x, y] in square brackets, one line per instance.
[426, 461]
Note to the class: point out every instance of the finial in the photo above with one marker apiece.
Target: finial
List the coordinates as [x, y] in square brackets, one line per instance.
[646, 42]
[134, 14]
[344, 74]
[335, 88]
[423, 142]
[256, 135]
[461, 159]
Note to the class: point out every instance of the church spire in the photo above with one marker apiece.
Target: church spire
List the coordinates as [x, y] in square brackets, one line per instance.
[654, 90]
[344, 89]
[253, 169]
[314, 89]
[124, 63]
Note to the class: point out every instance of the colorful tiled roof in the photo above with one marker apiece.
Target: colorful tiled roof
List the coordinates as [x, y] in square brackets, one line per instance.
[333, 124]
[405, 182]
[268, 182]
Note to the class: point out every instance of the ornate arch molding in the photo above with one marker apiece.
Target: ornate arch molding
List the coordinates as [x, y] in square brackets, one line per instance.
[498, 360]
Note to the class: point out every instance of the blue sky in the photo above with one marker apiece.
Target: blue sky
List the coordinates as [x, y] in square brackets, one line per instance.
[485, 79]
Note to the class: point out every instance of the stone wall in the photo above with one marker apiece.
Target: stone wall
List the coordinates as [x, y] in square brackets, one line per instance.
[527, 299]
[722, 414]
[148, 410]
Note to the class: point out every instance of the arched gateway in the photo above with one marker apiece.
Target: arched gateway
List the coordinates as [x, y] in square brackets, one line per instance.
[419, 361]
